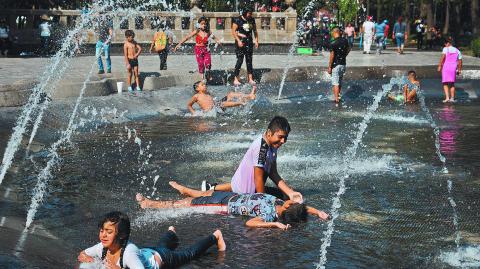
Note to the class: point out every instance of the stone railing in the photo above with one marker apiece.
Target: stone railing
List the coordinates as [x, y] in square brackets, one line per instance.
[273, 28]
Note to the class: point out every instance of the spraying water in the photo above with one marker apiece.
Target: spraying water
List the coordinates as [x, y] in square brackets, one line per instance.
[308, 10]
[348, 158]
[436, 131]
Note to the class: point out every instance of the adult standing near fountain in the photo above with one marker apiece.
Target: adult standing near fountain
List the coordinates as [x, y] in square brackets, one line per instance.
[368, 30]
[4, 37]
[243, 29]
[45, 33]
[104, 31]
[339, 50]
[400, 34]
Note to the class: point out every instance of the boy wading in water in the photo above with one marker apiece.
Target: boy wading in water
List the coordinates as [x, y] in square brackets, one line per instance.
[339, 49]
[410, 89]
[131, 51]
[260, 163]
[266, 211]
[206, 102]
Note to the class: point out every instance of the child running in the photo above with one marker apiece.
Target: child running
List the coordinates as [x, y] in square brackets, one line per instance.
[202, 53]
[450, 65]
[131, 51]
[409, 90]
[260, 163]
[266, 210]
[206, 102]
[116, 251]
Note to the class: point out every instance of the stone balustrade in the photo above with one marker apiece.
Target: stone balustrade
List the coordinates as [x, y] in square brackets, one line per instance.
[273, 28]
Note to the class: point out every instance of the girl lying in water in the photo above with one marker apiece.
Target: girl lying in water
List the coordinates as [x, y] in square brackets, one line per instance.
[116, 251]
[266, 210]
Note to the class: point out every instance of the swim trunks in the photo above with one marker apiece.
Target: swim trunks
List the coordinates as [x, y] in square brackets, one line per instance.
[133, 62]
[217, 198]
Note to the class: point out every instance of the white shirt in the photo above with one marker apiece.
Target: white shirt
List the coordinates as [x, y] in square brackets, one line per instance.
[44, 29]
[133, 257]
[368, 27]
[4, 32]
[452, 49]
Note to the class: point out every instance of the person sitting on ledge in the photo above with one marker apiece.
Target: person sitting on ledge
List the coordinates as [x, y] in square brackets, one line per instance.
[205, 100]
[266, 210]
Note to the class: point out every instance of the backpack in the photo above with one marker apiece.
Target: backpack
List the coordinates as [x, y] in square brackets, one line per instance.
[161, 41]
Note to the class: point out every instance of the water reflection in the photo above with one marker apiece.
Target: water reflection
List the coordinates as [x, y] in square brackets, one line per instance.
[448, 135]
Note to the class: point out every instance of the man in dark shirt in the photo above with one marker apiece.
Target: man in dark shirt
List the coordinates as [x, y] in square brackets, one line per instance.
[243, 29]
[339, 50]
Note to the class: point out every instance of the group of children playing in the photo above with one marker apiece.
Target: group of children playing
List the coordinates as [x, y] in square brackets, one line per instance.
[246, 195]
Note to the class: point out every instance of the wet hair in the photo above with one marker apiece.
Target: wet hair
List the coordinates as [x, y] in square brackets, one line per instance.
[129, 33]
[295, 213]
[246, 10]
[411, 72]
[123, 231]
[207, 24]
[195, 86]
[448, 39]
[279, 123]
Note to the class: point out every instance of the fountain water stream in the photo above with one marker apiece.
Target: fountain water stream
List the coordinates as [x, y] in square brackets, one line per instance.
[349, 156]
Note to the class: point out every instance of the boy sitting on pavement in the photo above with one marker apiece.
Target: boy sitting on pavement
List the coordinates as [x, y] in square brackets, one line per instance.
[409, 90]
[131, 51]
[266, 210]
[205, 100]
[260, 163]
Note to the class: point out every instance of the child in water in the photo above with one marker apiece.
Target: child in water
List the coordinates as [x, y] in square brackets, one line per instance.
[409, 90]
[202, 53]
[116, 251]
[131, 51]
[205, 100]
[450, 65]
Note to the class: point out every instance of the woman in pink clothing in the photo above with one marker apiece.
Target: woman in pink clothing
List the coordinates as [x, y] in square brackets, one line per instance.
[450, 65]
[202, 53]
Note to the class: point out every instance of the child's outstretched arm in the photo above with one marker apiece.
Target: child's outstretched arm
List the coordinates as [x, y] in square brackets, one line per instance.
[258, 222]
[193, 33]
[315, 212]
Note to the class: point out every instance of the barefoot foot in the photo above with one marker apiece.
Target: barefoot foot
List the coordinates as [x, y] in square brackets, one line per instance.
[177, 186]
[220, 242]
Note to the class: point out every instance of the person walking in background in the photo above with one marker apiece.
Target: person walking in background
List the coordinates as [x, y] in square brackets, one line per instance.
[379, 36]
[420, 29]
[368, 31]
[339, 50]
[400, 34]
[450, 65]
[4, 37]
[243, 29]
[350, 34]
[45, 33]
[104, 31]
[162, 39]
[385, 34]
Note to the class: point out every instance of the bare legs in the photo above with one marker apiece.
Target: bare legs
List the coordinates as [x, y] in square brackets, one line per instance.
[148, 203]
[241, 98]
[336, 93]
[449, 90]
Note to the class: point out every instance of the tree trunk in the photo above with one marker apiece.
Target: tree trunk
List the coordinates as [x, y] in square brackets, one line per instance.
[368, 7]
[426, 12]
[458, 22]
[446, 26]
[379, 10]
[474, 16]
[407, 17]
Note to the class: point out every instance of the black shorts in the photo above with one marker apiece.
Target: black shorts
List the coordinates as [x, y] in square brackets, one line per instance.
[133, 62]
[217, 198]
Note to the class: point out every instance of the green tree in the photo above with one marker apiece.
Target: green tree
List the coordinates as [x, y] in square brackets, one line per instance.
[348, 10]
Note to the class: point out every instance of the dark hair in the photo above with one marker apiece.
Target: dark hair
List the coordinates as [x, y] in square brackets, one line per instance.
[295, 213]
[195, 86]
[246, 10]
[129, 33]
[279, 123]
[412, 72]
[207, 24]
[123, 227]
[448, 39]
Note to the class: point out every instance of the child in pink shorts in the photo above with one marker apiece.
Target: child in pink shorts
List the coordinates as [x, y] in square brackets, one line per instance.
[202, 53]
